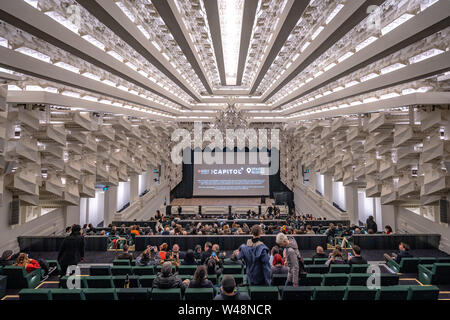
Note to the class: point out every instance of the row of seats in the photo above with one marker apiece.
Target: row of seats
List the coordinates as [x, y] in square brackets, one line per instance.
[256, 293]
[150, 270]
[410, 265]
[437, 273]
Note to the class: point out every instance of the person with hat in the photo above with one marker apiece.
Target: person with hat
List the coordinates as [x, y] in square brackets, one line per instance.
[228, 290]
[8, 258]
[166, 279]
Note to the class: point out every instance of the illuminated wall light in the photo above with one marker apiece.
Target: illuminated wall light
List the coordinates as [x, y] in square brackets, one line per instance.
[317, 32]
[71, 94]
[331, 65]
[33, 88]
[306, 45]
[355, 103]
[426, 4]
[345, 56]
[338, 89]
[156, 45]
[63, 21]
[51, 90]
[131, 66]
[425, 55]
[296, 57]
[344, 105]
[351, 84]
[126, 11]
[392, 68]
[89, 98]
[121, 87]
[67, 67]
[308, 80]
[408, 91]
[144, 32]
[109, 83]
[91, 76]
[33, 3]
[94, 42]
[389, 95]
[365, 43]
[334, 13]
[318, 74]
[34, 54]
[115, 55]
[396, 23]
[371, 99]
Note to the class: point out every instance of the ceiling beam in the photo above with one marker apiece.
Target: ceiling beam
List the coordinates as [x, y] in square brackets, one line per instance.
[171, 22]
[212, 13]
[294, 15]
[248, 21]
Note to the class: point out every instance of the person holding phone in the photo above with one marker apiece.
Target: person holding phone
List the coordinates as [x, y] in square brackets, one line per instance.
[355, 257]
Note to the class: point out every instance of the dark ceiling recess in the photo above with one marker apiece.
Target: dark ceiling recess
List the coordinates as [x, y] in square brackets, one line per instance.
[171, 22]
[292, 18]
[212, 13]
[6, 17]
[102, 15]
[248, 21]
[359, 15]
[415, 38]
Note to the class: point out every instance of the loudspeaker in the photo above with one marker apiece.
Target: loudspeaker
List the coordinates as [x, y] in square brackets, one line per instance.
[15, 212]
[444, 211]
[263, 200]
[259, 210]
[199, 209]
[229, 209]
[168, 210]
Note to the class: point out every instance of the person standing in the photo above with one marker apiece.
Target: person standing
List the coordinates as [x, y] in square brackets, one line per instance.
[292, 257]
[72, 249]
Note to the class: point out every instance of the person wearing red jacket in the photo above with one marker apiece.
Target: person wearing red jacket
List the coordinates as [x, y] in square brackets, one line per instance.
[29, 264]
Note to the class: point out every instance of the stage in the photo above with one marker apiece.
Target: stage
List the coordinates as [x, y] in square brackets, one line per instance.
[244, 201]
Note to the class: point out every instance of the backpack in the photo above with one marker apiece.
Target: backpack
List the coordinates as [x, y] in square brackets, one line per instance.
[44, 266]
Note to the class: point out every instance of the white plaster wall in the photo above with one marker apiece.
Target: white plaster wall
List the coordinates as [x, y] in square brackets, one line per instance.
[339, 195]
[123, 194]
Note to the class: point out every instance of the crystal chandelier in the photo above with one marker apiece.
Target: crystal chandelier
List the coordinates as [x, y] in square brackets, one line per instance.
[230, 118]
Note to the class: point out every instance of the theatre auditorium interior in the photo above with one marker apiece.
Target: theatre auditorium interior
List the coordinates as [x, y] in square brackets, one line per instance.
[225, 150]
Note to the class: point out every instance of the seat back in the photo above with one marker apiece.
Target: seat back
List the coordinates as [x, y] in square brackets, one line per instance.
[67, 294]
[312, 279]
[119, 281]
[19, 279]
[360, 293]
[100, 294]
[339, 268]
[329, 293]
[33, 294]
[409, 265]
[335, 279]
[187, 270]
[121, 262]
[99, 282]
[359, 268]
[279, 279]
[297, 293]
[166, 294]
[443, 260]
[264, 293]
[144, 271]
[389, 279]
[63, 282]
[427, 260]
[121, 270]
[358, 279]
[232, 269]
[133, 294]
[100, 270]
[199, 294]
[317, 268]
[320, 260]
[146, 281]
[393, 293]
[423, 293]
[307, 261]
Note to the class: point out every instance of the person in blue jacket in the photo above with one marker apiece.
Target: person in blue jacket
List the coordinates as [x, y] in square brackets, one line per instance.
[256, 257]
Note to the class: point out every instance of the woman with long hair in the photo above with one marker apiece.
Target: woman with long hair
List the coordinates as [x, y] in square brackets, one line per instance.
[201, 279]
[29, 264]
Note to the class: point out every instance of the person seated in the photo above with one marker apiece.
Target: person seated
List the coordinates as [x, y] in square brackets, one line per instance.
[198, 252]
[163, 251]
[233, 260]
[330, 233]
[336, 258]
[206, 253]
[278, 265]
[149, 257]
[319, 253]
[388, 229]
[309, 230]
[68, 231]
[29, 264]
[135, 230]
[166, 279]
[125, 255]
[7, 259]
[228, 290]
[403, 252]
[189, 258]
[200, 279]
[176, 253]
[214, 266]
[355, 257]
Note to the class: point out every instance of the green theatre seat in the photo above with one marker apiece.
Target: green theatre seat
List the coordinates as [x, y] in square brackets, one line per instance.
[119, 281]
[358, 279]
[19, 279]
[144, 271]
[100, 270]
[121, 270]
[199, 294]
[360, 293]
[3, 285]
[320, 260]
[100, 294]
[232, 269]
[438, 273]
[335, 279]
[63, 282]
[212, 278]
[240, 279]
[54, 264]
[427, 260]
[389, 279]
[443, 260]
[166, 294]
[316, 268]
[298, 293]
[187, 270]
[1, 270]
[123, 262]
[312, 280]
[393, 293]
[359, 268]
[339, 268]
[99, 282]
[67, 294]
[406, 265]
[329, 293]
[33, 294]
[307, 261]
[423, 293]
[133, 294]
[278, 279]
[263, 293]
[146, 281]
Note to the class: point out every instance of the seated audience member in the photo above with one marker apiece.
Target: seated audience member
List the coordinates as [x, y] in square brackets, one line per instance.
[309, 230]
[189, 259]
[149, 257]
[403, 252]
[275, 250]
[7, 259]
[218, 254]
[355, 257]
[213, 266]
[176, 253]
[228, 290]
[278, 266]
[198, 252]
[135, 230]
[388, 230]
[330, 233]
[29, 264]
[319, 253]
[336, 258]
[206, 253]
[163, 251]
[201, 279]
[68, 230]
[233, 260]
[125, 255]
[166, 279]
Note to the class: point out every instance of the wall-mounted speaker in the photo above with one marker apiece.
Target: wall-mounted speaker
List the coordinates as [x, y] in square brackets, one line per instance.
[444, 211]
[15, 212]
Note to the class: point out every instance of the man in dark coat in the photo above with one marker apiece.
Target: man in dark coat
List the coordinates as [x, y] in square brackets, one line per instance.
[72, 249]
